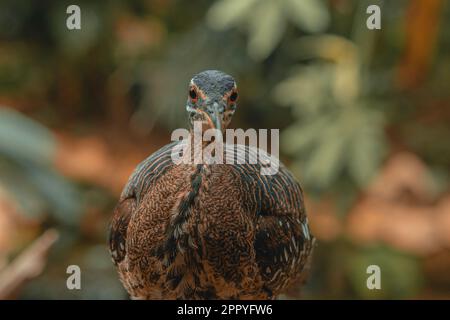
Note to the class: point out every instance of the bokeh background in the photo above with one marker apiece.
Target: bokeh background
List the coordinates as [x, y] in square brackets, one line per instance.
[364, 117]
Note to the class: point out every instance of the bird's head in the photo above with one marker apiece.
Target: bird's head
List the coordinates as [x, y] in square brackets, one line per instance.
[212, 99]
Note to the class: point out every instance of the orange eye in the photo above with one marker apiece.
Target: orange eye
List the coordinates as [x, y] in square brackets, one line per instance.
[193, 95]
[233, 96]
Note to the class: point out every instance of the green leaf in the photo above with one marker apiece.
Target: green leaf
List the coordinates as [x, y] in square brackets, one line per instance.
[60, 194]
[308, 89]
[226, 13]
[22, 190]
[266, 27]
[309, 15]
[327, 158]
[298, 138]
[26, 169]
[24, 139]
[366, 150]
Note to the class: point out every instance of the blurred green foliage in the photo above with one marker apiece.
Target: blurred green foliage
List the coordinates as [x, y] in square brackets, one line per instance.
[400, 273]
[336, 127]
[26, 169]
[266, 21]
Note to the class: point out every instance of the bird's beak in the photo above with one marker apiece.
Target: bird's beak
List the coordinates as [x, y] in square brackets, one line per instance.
[215, 117]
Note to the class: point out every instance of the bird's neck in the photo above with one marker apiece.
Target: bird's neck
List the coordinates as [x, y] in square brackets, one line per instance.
[203, 143]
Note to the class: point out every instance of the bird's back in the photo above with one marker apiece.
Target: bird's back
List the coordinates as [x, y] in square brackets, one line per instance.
[209, 231]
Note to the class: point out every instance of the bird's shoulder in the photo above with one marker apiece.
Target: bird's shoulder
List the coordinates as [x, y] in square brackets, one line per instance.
[144, 175]
[149, 171]
[263, 175]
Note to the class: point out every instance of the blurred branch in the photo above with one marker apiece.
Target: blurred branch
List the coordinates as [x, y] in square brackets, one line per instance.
[29, 264]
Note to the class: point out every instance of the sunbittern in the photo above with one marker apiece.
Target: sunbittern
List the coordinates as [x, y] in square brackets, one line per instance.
[209, 231]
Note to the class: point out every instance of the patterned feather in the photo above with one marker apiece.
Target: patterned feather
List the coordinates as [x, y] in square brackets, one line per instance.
[210, 231]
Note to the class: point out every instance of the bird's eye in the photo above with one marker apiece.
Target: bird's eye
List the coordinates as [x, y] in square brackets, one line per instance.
[193, 95]
[233, 96]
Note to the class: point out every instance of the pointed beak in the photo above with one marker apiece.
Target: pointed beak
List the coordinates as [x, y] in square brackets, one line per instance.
[215, 116]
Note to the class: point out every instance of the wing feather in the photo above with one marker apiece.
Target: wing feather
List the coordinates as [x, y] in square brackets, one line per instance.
[144, 176]
[283, 241]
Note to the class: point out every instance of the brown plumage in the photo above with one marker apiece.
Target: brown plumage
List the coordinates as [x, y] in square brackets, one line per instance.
[209, 231]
